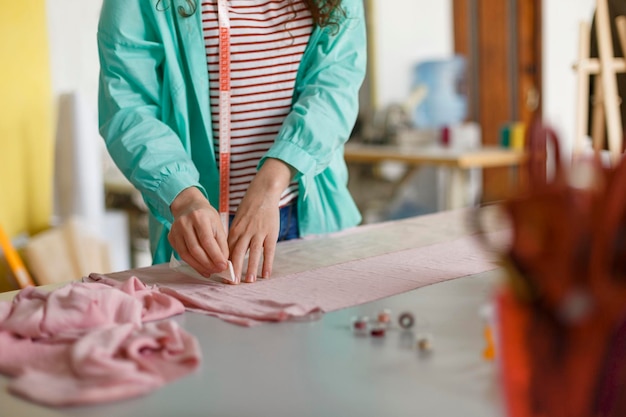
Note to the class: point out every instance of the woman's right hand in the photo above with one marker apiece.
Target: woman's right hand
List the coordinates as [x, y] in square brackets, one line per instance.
[197, 233]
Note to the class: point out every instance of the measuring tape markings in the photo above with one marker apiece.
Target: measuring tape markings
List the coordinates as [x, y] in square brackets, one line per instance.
[224, 111]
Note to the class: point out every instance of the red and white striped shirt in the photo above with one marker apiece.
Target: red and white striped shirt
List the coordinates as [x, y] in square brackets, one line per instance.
[268, 38]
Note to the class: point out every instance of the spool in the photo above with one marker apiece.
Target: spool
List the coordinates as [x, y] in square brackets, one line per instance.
[406, 320]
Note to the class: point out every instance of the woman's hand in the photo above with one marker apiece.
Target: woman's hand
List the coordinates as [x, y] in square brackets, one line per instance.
[197, 233]
[257, 222]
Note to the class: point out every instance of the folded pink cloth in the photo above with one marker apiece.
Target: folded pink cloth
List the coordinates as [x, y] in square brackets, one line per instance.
[86, 342]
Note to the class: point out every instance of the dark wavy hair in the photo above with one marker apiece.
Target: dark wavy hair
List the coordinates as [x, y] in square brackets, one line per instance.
[323, 12]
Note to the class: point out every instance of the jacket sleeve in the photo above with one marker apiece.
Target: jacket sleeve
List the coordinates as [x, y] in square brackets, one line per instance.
[148, 152]
[326, 108]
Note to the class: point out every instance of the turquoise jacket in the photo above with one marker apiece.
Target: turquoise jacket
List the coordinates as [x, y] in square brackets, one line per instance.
[154, 112]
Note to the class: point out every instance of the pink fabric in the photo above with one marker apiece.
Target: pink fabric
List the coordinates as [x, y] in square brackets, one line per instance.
[219, 300]
[86, 342]
[304, 295]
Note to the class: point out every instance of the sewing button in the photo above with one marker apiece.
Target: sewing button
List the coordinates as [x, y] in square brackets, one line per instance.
[378, 330]
[360, 324]
[384, 316]
[406, 320]
[425, 342]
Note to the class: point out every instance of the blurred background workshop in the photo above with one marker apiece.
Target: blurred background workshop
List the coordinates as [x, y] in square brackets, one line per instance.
[454, 92]
[462, 77]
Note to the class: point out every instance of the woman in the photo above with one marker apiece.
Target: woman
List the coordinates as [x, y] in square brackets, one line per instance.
[295, 70]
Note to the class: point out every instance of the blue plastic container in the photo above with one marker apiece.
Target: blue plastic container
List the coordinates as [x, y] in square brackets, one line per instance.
[445, 103]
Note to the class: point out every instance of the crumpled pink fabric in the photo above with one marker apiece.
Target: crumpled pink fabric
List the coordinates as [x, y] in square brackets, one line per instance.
[87, 342]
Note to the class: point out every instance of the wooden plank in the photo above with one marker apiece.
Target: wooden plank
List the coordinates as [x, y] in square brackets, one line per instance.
[493, 34]
[529, 49]
[502, 40]
[463, 29]
[487, 157]
[582, 86]
[592, 65]
[495, 89]
[609, 80]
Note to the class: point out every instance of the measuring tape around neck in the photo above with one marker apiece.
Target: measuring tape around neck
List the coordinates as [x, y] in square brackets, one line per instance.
[224, 111]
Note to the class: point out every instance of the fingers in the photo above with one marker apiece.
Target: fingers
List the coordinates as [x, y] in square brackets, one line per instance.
[200, 241]
[213, 253]
[239, 248]
[222, 241]
[192, 252]
[268, 257]
[256, 248]
[179, 244]
[228, 276]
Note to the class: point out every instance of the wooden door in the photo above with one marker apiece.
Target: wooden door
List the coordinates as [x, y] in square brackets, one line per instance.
[501, 40]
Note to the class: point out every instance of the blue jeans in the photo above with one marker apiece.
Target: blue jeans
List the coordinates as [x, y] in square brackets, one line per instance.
[288, 222]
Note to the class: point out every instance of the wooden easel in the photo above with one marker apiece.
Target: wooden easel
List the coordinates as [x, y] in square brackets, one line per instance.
[606, 103]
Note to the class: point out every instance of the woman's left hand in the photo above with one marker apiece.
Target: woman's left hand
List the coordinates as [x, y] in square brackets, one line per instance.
[257, 221]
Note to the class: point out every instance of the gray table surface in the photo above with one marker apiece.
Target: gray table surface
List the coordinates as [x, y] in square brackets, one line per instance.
[321, 368]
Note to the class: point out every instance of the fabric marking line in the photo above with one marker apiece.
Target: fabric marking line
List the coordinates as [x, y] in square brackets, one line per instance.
[224, 111]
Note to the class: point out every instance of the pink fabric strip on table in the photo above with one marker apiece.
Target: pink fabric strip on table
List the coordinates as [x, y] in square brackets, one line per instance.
[87, 342]
[303, 294]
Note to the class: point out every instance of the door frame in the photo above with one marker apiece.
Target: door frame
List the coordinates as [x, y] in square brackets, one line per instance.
[502, 42]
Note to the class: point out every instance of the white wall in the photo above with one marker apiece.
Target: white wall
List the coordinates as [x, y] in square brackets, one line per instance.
[406, 32]
[560, 51]
[72, 28]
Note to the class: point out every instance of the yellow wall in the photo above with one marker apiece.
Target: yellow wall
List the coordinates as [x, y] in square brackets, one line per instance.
[26, 128]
